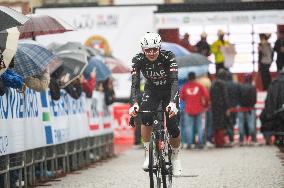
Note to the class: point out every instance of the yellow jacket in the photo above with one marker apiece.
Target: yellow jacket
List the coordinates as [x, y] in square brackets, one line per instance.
[215, 49]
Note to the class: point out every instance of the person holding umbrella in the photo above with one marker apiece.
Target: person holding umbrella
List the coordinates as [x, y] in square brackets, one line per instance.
[38, 82]
[11, 79]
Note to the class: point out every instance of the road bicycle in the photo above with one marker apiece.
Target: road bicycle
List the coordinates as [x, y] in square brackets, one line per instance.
[160, 165]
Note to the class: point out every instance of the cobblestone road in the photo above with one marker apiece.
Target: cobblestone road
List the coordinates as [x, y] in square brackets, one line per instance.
[238, 167]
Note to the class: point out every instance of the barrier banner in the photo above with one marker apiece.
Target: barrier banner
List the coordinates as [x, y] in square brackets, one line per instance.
[20, 122]
[68, 118]
[123, 133]
[100, 121]
[32, 120]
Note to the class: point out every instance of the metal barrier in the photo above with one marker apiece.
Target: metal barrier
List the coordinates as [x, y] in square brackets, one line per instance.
[28, 168]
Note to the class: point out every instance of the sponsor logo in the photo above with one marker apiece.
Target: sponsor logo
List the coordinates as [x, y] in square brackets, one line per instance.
[15, 105]
[67, 105]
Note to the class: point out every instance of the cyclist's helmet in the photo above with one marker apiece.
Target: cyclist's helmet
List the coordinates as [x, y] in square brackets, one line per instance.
[151, 40]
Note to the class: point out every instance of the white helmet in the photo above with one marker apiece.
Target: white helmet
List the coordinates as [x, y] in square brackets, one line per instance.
[151, 40]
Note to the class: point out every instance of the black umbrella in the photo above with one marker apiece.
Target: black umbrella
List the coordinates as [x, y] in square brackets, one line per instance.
[11, 18]
[73, 63]
[193, 59]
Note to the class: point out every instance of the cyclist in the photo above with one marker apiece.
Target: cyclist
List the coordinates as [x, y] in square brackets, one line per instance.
[160, 70]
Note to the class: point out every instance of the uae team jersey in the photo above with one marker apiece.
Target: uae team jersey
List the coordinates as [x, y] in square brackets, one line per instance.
[162, 74]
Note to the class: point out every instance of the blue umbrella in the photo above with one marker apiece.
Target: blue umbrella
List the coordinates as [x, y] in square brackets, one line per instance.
[193, 59]
[178, 50]
[32, 59]
[102, 71]
[198, 70]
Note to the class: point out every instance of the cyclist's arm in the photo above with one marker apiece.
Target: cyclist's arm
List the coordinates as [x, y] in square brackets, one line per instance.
[173, 77]
[135, 86]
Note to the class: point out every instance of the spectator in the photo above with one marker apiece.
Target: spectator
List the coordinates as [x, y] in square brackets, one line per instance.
[13, 80]
[196, 100]
[89, 85]
[206, 82]
[234, 93]
[38, 82]
[247, 114]
[108, 91]
[279, 49]
[55, 83]
[265, 57]
[216, 50]
[274, 101]
[202, 46]
[185, 42]
[220, 107]
[74, 89]
[54, 89]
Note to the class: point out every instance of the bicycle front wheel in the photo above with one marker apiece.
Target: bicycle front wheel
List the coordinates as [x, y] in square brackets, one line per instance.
[155, 174]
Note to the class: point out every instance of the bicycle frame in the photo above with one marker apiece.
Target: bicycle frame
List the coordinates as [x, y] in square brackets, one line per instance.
[160, 151]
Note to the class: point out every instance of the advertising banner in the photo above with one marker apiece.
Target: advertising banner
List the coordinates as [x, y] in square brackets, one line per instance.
[32, 120]
[115, 30]
[20, 122]
[100, 121]
[176, 20]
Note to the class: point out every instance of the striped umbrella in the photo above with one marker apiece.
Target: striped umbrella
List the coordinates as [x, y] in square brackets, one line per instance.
[43, 25]
[32, 59]
[11, 18]
[8, 47]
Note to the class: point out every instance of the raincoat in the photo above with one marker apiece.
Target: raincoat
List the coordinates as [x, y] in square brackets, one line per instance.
[12, 79]
[215, 49]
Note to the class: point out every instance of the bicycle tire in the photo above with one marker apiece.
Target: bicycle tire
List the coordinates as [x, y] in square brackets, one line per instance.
[166, 167]
[155, 170]
[151, 162]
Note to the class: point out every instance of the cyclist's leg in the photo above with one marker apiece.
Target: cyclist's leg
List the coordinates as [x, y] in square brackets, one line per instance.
[150, 102]
[175, 138]
[172, 123]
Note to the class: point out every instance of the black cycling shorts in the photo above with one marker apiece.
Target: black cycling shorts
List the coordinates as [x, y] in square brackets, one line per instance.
[151, 100]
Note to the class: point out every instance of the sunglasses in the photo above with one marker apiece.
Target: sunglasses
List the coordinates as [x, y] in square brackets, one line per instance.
[151, 50]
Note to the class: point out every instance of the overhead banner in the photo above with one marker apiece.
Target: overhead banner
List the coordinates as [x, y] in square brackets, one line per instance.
[115, 30]
[176, 20]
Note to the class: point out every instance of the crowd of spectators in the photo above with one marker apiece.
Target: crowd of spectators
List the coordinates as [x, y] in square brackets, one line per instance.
[228, 103]
[45, 80]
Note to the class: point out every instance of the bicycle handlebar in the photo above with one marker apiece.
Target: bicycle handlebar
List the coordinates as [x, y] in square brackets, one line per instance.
[131, 120]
